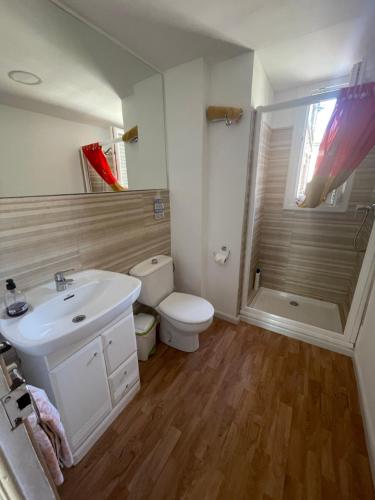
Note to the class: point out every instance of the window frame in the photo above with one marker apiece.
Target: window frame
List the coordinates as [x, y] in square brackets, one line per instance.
[294, 170]
[116, 132]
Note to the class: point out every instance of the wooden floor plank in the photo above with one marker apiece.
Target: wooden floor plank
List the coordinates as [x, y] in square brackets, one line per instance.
[250, 415]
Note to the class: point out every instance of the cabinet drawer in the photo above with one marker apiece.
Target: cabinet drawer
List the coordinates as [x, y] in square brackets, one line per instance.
[119, 343]
[123, 379]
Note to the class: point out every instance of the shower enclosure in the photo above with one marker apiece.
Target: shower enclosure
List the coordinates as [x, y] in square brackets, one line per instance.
[316, 264]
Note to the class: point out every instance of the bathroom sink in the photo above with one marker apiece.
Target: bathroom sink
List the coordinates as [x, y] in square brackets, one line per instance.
[58, 319]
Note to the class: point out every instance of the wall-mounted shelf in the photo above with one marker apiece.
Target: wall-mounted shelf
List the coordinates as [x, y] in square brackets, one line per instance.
[224, 113]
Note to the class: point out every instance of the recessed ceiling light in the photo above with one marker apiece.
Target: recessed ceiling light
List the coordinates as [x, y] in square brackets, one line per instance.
[24, 77]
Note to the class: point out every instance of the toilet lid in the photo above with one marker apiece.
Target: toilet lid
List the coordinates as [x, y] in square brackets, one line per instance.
[186, 308]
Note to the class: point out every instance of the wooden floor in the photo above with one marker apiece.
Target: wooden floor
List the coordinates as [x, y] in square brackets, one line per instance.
[251, 415]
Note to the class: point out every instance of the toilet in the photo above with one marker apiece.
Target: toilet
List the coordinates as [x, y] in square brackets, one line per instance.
[183, 316]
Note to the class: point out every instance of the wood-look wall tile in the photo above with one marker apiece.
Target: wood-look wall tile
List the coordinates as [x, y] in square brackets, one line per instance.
[310, 253]
[40, 235]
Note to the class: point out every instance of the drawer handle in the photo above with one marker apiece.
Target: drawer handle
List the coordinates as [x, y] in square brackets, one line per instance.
[92, 358]
[124, 390]
[124, 375]
[110, 342]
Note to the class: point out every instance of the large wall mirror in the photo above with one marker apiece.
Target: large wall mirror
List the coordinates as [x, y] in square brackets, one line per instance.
[63, 86]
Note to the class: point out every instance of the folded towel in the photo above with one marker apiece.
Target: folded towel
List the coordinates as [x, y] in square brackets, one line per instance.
[49, 433]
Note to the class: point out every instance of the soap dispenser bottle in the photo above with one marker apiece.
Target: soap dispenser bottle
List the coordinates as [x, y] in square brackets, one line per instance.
[15, 300]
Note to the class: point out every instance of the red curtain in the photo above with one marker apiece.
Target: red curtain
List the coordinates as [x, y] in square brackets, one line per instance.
[96, 158]
[349, 137]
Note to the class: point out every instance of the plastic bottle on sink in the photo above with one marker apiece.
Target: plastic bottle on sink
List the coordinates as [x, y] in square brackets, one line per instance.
[15, 300]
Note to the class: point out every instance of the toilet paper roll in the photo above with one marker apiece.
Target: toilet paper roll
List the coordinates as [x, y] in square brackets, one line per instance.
[221, 258]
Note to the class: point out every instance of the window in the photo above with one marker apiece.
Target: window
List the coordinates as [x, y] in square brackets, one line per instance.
[120, 157]
[310, 123]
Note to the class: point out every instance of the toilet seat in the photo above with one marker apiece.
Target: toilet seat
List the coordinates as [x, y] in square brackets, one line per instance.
[186, 308]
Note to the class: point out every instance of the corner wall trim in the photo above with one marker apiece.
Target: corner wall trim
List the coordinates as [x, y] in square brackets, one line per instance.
[367, 425]
[227, 317]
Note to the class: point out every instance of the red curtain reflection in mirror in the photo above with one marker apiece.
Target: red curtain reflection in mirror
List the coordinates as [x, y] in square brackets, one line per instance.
[96, 158]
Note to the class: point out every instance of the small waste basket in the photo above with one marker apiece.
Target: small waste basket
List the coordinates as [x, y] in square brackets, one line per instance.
[145, 329]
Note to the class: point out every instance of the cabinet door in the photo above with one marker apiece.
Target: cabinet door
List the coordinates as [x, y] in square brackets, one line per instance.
[119, 343]
[82, 393]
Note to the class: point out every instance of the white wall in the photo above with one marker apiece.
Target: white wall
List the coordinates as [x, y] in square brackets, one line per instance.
[229, 83]
[146, 159]
[261, 91]
[207, 166]
[364, 361]
[40, 153]
[185, 88]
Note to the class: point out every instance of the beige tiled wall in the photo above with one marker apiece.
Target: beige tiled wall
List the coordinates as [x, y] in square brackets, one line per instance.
[113, 231]
[263, 158]
[308, 253]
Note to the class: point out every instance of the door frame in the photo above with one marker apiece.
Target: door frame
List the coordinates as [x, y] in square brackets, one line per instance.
[362, 291]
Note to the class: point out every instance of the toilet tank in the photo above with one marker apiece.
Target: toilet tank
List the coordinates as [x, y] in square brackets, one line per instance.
[156, 275]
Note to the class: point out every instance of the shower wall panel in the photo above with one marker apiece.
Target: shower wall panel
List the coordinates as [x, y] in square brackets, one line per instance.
[264, 148]
[307, 252]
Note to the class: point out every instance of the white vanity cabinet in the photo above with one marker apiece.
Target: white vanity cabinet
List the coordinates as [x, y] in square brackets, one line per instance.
[82, 392]
[90, 382]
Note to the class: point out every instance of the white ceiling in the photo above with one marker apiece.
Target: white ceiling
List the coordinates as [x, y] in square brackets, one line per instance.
[297, 40]
[84, 75]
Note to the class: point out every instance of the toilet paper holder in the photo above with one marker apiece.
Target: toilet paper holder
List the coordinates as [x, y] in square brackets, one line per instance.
[222, 256]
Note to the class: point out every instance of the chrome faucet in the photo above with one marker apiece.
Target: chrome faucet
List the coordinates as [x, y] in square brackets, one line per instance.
[60, 280]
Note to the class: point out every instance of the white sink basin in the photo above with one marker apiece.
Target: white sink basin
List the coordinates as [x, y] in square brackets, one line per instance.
[98, 296]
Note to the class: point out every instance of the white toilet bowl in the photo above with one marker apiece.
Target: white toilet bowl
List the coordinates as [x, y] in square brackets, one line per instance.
[183, 318]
